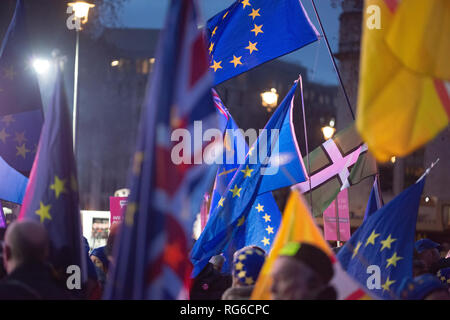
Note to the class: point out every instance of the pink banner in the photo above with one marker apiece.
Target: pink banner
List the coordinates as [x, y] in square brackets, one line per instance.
[116, 207]
[330, 216]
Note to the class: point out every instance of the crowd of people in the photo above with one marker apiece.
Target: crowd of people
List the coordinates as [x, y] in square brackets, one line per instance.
[301, 272]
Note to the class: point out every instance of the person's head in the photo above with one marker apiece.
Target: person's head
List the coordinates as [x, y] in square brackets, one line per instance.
[247, 263]
[428, 252]
[109, 248]
[25, 241]
[424, 287]
[302, 272]
[217, 262]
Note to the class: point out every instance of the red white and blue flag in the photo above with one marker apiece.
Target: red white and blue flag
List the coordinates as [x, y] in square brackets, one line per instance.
[152, 247]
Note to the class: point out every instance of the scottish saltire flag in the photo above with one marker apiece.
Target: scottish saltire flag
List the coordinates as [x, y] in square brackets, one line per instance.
[337, 164]
[375, 199]
[385, 243]
[236, 203]
[21, 114]
[51, 196]
[153, 244]
[264, 217]
[251, 32]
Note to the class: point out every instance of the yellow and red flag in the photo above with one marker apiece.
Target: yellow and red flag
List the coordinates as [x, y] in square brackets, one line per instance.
[298, 225]
[404, 84]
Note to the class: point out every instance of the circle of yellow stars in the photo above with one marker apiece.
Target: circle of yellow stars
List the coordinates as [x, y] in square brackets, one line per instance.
[252, 46]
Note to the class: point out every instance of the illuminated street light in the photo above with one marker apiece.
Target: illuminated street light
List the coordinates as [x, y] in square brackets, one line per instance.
[269, 99]
[114, 63]
[393, 159]
[328, 132]
[41, 66]
[81, 9]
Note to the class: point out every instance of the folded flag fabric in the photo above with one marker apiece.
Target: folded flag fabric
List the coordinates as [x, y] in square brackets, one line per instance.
[21, 115]
[51, 196]
[237, 201]
[337, 164]
[152, 255]
[404, 85]
[249, 33]
[298, 225]
[380, 253]
[263, 219]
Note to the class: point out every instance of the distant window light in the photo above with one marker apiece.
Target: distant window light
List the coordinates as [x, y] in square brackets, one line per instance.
[151, 60]
[115, 63]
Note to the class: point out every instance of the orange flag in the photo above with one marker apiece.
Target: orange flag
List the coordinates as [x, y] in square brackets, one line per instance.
[298, 225]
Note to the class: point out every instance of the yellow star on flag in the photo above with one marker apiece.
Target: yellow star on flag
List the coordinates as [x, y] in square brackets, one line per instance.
[266, 241]
[44, 212]
[221, 202]
[252, 47]
[355, 251]
[393, 260]
[257, 29]
[58, 186]
[20, 137]
[372, 237]
[249, 280]
[216, 65]
[255, 13]
[247, 172]
[386, 286]
[73, 183]
[22, 151]
[242, 274]
[236, 191]
[225, 15]
[241, 221]
[239, 266]
[259, 207]
[266, 217]
[129, 214]
[214, 31]
[4, 135]
[211, 47]
[242, 257]
[137, 162]
[236, 61]
[269, 230]
[387, 243]
[246, 3]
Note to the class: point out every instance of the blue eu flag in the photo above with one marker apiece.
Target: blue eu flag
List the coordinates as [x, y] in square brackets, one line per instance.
[264, 217]
[51, 196]
[21, 114]
[239, 202]
[384, 244]
[251, 32]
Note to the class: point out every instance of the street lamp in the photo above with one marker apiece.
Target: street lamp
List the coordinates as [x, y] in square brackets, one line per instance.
[269, 99]
[81, 10]
[41, 66]
[329, 130]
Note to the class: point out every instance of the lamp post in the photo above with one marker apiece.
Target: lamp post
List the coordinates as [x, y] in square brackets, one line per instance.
[329, 130]
[81, 10]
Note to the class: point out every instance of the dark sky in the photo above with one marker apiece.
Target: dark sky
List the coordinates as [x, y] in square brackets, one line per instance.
[151, 14]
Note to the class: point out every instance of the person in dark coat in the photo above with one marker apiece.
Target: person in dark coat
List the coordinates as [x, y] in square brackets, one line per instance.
[30, 277]
[210, 284]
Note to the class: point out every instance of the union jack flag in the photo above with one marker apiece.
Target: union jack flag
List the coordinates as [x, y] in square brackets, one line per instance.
[151, 251]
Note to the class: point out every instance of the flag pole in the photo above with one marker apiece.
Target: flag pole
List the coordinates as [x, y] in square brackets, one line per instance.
[333, 61]
[300, 80]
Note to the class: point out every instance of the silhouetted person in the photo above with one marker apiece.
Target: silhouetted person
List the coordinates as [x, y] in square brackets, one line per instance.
[25, 252]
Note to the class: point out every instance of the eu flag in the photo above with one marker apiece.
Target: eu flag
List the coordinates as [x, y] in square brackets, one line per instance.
[51, 196]
[21, 114]
[375, 199]
[251, 32]
[259, 228]
[238, 202]
[379, 254]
